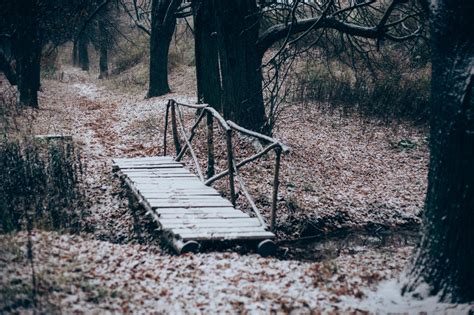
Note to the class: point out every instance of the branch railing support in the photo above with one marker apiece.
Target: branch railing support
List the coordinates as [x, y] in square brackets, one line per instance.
[276, 184]
[174, 127]
[172, 109]
[230, 164]
[166, 129]
[210, 145]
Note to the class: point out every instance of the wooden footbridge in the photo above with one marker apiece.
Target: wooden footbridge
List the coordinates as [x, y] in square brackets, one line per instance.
[185, 207]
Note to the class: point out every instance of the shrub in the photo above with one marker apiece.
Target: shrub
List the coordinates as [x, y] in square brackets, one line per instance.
[129, 54]
[397, 93]
[126, 61]
[391, 82]
[40, 183]
[131, 80]
[50, 63]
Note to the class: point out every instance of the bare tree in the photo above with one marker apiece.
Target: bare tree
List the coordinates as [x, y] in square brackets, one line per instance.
[26, 26]
[206, 53]
[163, 23]
[445, 258]
[246, 31]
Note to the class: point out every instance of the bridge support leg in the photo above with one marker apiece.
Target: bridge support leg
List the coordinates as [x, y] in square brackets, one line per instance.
[266, 248]
[180, 246]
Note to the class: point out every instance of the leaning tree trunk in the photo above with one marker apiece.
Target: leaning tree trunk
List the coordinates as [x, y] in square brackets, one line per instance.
[83, 54]
[445, 257]
[103, 52]
[206, 53]
[7, 69]
[103, 63]
[27, 50]
[238, 26]
[163, 23]
[29, 67]
[159, 47]
[75, 57]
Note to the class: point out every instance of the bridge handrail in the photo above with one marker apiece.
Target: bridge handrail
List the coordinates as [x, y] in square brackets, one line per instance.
[233, 167]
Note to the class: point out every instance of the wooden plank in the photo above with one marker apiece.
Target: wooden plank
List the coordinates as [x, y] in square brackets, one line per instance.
[172, 181]
[194, 210]
[191, 204]
[211, 197]
[165, 182]
[144, 159]
[239, 222]
[191, 198]
[208, 223]
[138, 177]
[156, 174]
[184, 195]
[158, 187]
[207, 215]
[209, 236]
[136, 162]
[175, 170]
[176, 191]
[148, 166]
[218, 230]
[181, 190]
[157, 168]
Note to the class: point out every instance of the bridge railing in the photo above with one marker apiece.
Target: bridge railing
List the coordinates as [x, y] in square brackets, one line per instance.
[173, 111]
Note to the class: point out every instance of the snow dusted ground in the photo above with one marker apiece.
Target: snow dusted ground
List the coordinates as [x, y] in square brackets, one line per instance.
[337, 170]
[80, 275]
[95, 276]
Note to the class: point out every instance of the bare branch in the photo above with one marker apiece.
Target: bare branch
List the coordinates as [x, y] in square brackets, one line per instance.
[91, 17]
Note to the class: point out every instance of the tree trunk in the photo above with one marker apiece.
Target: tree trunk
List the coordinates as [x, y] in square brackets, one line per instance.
[103, 52]
[7, 69]
[445, 257]
[159, 47]
[29, 75]
[75, 61]
[238, 27]
[163, 23]
[27, 50]
[206, 53]
[83, 54]
[103, 63]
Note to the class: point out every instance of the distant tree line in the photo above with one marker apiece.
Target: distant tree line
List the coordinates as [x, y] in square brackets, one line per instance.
[28, 26]
[232, 37]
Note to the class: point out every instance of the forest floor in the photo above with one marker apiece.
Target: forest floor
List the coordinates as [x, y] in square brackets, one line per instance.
[353, 185]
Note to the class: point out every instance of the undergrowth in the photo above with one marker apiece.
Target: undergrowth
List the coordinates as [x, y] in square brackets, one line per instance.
[40, 184]
[396, 92]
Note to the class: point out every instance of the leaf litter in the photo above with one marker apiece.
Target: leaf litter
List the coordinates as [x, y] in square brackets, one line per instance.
[340, 174]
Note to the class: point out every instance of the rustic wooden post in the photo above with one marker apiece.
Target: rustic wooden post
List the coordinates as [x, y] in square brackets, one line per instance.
[166, 128]
[174, 127]
[276, 184]
[230, 162]
[210, 145]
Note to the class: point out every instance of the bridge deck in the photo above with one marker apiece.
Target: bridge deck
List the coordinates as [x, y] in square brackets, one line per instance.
[185, 209]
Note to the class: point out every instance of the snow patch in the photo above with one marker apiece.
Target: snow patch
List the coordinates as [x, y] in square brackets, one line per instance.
[387, 298]
[87, 90]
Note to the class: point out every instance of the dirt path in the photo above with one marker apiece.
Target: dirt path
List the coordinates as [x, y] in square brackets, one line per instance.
[101, 121]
